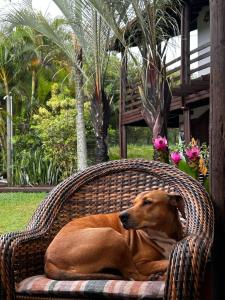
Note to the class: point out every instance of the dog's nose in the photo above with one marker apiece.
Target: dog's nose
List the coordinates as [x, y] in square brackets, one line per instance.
[124, 217]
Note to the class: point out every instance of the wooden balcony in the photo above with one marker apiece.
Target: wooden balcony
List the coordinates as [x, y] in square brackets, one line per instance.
[200, 54]
[195, 90]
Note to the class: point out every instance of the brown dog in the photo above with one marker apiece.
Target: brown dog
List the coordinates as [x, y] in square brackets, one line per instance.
[135, 242]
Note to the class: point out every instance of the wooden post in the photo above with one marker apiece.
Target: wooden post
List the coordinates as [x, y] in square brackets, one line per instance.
[187, 130]
[217, 142]
[185, 65]
[123, 84]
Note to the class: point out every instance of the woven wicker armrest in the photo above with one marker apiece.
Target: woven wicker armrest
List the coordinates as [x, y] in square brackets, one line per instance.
[187, 268]
[22, 255]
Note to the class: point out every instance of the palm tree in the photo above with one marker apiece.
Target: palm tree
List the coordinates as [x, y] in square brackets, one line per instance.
[14, 49]
[157, 22]
[64, 40]
[18, 54]
[90, 35]
[100, 108]
[30, 55]
[74, 17]
[32, 52]
[6, 76]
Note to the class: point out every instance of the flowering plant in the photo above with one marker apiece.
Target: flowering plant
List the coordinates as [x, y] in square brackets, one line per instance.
[160, 143]
[197, 157]
[193, 153]
[161, 150]
[192, 156]
[176, 157]
[192, 159]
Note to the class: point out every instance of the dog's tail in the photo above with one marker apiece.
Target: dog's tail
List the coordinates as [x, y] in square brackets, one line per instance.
[53, 272]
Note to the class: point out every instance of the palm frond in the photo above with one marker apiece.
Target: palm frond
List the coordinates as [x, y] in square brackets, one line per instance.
[28, 17]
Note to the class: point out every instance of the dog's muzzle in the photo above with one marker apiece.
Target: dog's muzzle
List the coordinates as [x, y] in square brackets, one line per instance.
[124, 218]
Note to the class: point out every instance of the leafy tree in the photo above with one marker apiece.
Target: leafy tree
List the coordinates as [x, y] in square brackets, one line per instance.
[23, 62]
[100, 102]
[90, 34]
[8, 72]
[52, 126]
[63, 39]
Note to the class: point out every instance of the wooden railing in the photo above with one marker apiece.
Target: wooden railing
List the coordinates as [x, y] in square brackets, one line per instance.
[174, 66]
[133, 100]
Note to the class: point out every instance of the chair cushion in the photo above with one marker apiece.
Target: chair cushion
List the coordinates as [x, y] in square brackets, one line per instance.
[99, 288]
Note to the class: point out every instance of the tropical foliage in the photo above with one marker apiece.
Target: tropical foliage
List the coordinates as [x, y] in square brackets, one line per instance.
[45, 130]
[53, 125]
[33, 168]
[65, 84]
[148, 25]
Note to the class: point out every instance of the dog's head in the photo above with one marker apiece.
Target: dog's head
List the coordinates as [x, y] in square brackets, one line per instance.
[152, 210]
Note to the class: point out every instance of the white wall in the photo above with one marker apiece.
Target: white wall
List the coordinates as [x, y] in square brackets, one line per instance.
[203, 36]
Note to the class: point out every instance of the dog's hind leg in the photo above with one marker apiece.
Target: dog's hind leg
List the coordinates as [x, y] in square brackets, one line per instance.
[94, 251]
[58, 274]
[153, 267]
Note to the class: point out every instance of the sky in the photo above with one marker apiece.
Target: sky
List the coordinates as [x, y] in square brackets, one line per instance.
[46, 6]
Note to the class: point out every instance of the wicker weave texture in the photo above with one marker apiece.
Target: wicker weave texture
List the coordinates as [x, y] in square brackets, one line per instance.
[105, 188]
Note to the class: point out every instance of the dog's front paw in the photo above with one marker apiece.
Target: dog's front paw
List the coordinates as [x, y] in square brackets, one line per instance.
[160, 276]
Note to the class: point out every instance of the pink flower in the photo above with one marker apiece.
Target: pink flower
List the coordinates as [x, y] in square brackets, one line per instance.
[160, 143]
[176, 157]
[193, 153]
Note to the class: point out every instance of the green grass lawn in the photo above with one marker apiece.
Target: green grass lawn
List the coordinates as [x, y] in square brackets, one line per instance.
[16, 210]
[133, 151]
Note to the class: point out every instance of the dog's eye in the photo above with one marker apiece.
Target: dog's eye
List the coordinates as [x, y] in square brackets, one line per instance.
[147, 202]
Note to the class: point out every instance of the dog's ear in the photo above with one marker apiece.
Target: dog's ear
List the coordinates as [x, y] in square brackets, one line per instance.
[177, 200]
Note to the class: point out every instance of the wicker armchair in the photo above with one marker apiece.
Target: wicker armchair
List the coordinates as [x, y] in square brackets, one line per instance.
[105, 188]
